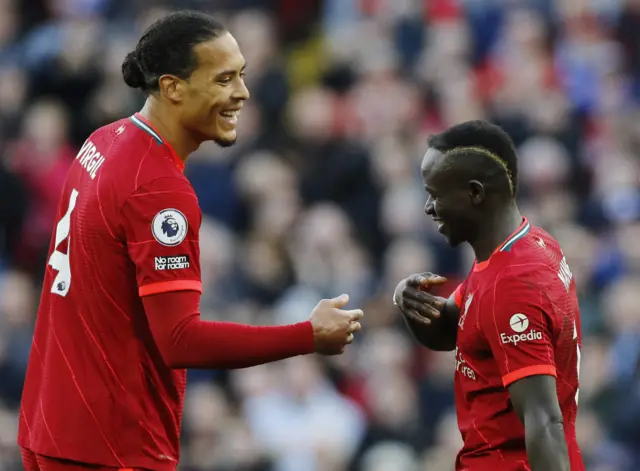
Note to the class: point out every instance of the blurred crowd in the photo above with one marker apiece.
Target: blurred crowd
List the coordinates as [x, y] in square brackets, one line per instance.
[322, 195]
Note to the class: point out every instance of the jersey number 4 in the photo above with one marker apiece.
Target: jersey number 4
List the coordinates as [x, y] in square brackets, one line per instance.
[60, 261]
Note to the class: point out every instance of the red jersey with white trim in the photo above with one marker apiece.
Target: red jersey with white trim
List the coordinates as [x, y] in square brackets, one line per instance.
[519, 317]
[97, 390]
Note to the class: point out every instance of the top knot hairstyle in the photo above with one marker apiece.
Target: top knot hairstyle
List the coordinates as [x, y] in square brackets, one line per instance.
[166, 47]
[468, 143]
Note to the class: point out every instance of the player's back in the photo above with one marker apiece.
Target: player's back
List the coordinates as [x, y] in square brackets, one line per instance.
[521, 318]
[97, 389]
[540, 262]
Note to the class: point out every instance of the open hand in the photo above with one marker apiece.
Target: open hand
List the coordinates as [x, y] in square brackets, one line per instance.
[414, 300]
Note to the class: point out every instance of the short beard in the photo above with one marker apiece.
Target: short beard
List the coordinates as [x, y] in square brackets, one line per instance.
[454, 242]
[225, 142]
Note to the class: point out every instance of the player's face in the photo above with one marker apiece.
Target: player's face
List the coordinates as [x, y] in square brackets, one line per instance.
[216, 91]
[449, 203]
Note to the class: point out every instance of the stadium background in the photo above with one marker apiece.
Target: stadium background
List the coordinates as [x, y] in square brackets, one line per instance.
[322, 195]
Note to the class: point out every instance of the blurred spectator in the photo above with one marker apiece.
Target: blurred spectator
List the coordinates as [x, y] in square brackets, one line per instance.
[13, 208]
[302, 421]
[41, 159]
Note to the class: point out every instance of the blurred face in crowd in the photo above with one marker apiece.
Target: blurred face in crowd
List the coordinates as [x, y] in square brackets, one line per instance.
[211, 99]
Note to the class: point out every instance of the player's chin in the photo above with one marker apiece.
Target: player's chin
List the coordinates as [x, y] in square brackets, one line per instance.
[452, 239]
[452, 234]
[225, 138]
[453, 242]
[225, 141]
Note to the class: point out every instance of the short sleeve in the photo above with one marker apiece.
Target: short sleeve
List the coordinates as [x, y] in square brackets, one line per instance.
[518, 326]
[161, 221]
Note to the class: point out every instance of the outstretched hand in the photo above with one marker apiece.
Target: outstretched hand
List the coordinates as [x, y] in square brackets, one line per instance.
[333, 327]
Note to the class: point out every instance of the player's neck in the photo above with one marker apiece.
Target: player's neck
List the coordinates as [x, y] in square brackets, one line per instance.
[496, 230]
[170, 129]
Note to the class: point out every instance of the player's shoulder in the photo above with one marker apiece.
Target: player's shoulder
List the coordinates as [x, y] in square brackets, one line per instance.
[136, 156]
[113, 140]
[540, 237]
[536, 261]
[533, 251]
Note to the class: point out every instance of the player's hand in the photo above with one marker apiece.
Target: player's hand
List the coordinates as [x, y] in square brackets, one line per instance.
[334, 328]
[414, 300]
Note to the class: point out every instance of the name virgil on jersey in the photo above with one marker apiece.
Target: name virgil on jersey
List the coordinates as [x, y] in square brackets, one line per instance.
[565, 274]
[90, 159]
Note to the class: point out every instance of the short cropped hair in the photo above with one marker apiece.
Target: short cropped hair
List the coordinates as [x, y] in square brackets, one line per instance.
[166, 47]
[480, 138]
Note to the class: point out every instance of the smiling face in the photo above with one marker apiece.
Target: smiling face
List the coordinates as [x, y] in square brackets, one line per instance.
[453, 200]
[215, 92]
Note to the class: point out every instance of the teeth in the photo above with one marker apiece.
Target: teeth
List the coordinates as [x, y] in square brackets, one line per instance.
[230, 114]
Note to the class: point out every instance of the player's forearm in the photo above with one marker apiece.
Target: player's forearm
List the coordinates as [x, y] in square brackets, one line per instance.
[546, 446]
[440, 335]
[226, 345]
[185, 341]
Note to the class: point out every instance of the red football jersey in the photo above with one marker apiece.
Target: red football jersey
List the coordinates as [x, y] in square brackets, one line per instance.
[519, 317]
[97, 389]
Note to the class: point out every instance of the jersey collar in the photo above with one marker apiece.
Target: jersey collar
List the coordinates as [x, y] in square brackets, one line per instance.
[506, 246]
[145, 126]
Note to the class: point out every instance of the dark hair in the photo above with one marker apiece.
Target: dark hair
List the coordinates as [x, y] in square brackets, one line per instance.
[166, 47]
[485, 140]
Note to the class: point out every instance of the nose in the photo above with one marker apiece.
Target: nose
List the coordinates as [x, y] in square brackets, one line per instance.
[429, 207]
[241, 92]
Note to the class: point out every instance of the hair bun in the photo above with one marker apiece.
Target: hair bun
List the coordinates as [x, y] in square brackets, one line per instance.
[132, 72]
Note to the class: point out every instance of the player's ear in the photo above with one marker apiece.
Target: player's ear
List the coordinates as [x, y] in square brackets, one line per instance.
[172, 87]
[476, 192]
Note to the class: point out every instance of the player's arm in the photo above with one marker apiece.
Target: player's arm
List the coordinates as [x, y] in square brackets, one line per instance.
[432, 320]
[186, 341]
[161, 222]
[519, 326]
[535, 400]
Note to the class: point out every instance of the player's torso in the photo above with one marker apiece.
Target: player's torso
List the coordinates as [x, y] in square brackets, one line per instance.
[492, 433]
[94, 361]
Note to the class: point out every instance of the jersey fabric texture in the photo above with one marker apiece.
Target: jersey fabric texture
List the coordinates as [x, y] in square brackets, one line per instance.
[519, 316]
[33, 462]
[97, 390]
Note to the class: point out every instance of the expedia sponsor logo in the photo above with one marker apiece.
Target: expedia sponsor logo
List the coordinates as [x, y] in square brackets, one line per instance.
[531, 336]
[176, 262]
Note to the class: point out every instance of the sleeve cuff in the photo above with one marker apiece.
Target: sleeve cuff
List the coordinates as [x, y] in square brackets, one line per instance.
[528, 371]
[306, 337]
[166, 286]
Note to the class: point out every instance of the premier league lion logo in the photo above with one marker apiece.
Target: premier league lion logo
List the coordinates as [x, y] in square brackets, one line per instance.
[169, 227]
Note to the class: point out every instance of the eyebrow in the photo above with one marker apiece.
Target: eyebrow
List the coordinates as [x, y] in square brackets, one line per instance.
[231, 71]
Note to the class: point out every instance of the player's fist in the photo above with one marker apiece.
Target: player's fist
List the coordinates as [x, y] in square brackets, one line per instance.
[414, 300]
[333, 327]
